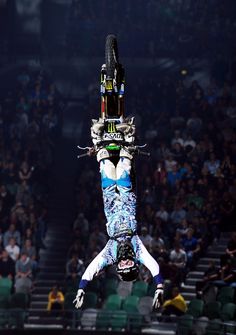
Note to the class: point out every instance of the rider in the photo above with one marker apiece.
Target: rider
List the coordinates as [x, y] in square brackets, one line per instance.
[124, 248]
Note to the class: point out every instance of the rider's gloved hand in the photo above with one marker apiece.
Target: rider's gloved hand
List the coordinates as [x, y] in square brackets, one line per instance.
[79, 298]
[158, 297]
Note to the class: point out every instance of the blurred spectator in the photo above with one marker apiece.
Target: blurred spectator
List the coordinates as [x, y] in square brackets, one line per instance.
[12, 249]
[169, 163]
[192, 213]
[191, 247]
[74, 268]
[55, 299]
[211, 274]
[178, 259]
[176, 305]
[30, 251]
[158, 247]
[146, 238]
[174, 175]
[23, 278]
[230, 252]
[11, 233]
[212, 165]
[162, 213]
[226, 275]
[7, 266]
[81, 223]
[178, 214]
[189, 144]
[183, 227]
[231, 247]
[29, 236]
[177, 139]
[194, 126]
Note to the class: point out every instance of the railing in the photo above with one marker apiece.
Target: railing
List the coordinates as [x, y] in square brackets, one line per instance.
[102, 320]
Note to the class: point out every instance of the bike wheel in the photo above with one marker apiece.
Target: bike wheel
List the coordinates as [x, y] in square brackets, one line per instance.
[111, 56]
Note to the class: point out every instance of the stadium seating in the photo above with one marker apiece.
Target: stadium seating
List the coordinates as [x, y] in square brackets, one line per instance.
[151, 289]
[103, 320]
[68, 302]
[4, 317]
[185, 324]
[17, 317]
[130, 304]
[135, 322]
[119, 321]
[195, 308]
[124, 288]
[140, 289]
[226, 294]
[88, 318]
[110, 287]
[214, 327]
[212, 310]
[19, 300]
[5, 287]
[113, 302]
[228, 312]
[90, 300]
[145, 305]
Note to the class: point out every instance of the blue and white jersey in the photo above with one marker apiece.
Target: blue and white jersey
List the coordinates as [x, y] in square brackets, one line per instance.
[108, 257]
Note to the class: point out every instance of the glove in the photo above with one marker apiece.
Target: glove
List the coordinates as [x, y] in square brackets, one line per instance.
[79, 298]
[158, 297]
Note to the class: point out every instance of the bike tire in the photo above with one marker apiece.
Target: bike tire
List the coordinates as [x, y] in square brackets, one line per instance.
[111, 55]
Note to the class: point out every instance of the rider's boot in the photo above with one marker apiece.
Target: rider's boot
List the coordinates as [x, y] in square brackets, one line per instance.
[102, 154]
[97, 125]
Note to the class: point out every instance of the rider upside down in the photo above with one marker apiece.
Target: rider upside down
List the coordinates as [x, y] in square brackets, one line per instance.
[124, 247]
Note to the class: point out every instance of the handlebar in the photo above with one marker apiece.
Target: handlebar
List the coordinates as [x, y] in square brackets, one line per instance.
[91, 151]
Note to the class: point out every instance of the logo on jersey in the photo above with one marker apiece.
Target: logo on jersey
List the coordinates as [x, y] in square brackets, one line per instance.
[109, 85]
[113, 136]
[111, 128]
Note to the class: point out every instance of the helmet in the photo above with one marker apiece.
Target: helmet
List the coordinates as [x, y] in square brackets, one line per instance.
[127, 266]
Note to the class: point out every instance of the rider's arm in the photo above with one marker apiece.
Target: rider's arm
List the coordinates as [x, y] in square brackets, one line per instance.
[146, 259]
[105, 258]
[97, 264]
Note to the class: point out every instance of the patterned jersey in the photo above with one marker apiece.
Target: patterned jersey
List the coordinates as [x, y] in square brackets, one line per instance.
[108, 257]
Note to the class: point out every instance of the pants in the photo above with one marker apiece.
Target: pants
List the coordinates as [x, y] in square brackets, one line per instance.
[118, 198]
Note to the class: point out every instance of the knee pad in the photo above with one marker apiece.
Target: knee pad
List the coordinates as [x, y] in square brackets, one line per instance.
[108, 173]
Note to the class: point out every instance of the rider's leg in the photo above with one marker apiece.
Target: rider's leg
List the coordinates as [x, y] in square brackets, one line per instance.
[110, 195]
[123, 170]
[108, 173]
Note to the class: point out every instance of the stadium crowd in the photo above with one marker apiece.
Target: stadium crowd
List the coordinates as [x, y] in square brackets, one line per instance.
[160, 27]
[29, 121]
[186, 191]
